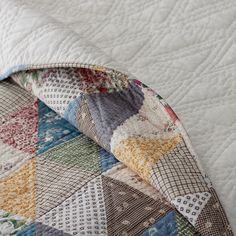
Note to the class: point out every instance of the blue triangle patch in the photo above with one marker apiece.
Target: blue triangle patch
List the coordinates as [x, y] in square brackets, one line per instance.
[166, 226]
[53, 129]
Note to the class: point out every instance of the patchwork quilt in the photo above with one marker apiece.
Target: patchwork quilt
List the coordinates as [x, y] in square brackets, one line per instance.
[56, 180]
[85, 147]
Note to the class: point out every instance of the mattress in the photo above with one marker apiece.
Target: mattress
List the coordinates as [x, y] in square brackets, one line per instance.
[184, 50]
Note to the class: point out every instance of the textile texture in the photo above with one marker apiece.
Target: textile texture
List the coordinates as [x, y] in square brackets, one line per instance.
[88, 151]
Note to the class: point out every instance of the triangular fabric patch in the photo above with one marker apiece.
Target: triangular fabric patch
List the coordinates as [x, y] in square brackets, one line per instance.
[191, 205]
[56, 93]
[121, 200]
[83, 213]
[17, 192]
[109, 110]
[20, 128]
[53, 129]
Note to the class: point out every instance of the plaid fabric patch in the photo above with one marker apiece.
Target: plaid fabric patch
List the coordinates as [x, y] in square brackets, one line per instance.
[12, 98]
[177, 174]
[128, 210]
[210, 221]
[85, 122]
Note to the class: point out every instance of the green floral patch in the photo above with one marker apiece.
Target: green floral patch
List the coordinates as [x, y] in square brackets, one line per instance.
[10, 224]
[28, 78]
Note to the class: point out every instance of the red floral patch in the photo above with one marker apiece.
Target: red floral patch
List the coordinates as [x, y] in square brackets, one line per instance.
[171, 113]
[20, 128]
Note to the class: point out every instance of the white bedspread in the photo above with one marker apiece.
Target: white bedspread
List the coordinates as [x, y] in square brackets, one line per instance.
[186, 51]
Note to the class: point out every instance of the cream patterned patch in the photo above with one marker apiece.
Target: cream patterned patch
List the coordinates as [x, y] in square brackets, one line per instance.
[83, 213]
[59, 88]
[11, 159]
[191, 205]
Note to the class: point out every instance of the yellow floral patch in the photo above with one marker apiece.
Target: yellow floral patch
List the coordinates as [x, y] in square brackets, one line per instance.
[140, 154]
[17, 193]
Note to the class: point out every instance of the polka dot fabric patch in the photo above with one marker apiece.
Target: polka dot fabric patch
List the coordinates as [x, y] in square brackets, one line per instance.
[191, 205]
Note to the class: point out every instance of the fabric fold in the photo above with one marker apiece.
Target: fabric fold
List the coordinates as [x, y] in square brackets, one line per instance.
[31, 40]
[139, 128]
